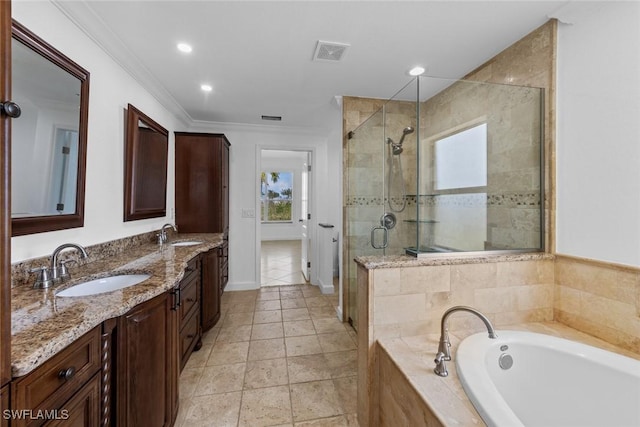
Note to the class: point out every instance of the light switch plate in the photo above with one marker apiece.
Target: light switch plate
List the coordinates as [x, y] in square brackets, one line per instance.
[248, 213]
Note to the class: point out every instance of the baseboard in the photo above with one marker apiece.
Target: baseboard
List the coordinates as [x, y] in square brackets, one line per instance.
[246, 286]
[326, 289]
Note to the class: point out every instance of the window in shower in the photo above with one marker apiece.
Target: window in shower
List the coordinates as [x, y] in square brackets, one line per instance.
[461, 159]
[276, 196]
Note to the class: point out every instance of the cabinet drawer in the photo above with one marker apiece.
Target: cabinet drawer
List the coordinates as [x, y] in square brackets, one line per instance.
[83, 409]
[189, 298]
[192, 270]
[189, 336]
[53, 383]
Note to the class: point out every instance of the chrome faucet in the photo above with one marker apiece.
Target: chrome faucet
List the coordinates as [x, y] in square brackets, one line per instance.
[162, 237]
[53, 274]
[61, 273]
[444, 352]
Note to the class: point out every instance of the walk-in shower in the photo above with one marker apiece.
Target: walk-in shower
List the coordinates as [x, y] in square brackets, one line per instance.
[445, 167]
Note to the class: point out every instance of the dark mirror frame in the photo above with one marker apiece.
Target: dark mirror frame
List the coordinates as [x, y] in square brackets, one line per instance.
[145, 169]
[40, 224]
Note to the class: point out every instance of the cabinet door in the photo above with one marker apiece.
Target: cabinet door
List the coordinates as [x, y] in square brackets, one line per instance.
[4, 402]
[210, 289]
[201, 206]
[147, 365]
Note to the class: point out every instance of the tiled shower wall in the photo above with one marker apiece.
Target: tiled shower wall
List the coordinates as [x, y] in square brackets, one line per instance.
[529, 62]
[506, 213]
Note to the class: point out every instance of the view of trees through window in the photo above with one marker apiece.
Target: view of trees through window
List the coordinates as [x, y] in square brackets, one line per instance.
[276, 196]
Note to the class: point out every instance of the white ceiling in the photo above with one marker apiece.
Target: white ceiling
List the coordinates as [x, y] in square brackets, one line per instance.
[257, 55]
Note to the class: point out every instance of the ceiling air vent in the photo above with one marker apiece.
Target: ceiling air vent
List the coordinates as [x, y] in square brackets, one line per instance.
[329, 51]
[272, 118]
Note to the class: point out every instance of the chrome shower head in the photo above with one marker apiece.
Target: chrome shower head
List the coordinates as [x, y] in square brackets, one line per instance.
[406, 131]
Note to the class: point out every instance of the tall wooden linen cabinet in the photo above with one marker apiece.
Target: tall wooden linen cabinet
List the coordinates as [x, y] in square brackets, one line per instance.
[202, 206]
[5, 210]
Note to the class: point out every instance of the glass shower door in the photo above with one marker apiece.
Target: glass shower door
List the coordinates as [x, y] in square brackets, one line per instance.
[364, 201]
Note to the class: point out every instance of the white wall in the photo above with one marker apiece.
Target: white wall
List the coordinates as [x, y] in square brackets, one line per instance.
[245, 233]
[598, 133]
[111, 89]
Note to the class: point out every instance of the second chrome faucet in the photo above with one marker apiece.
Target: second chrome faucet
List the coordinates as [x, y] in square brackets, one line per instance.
[162, 237]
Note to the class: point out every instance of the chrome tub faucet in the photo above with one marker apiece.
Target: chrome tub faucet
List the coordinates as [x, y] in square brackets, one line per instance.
[444, 351]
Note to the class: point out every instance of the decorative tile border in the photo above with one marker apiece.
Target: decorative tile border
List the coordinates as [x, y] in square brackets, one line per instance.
[506, 200]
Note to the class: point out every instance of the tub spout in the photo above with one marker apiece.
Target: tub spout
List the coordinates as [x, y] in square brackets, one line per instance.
[444, 352]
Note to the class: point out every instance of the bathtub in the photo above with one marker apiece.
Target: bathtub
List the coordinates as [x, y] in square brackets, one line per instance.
[529, 379]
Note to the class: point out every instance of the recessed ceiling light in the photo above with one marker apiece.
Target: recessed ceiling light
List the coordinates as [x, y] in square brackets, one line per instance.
[183, 47]
[206, 88]
[416, 71]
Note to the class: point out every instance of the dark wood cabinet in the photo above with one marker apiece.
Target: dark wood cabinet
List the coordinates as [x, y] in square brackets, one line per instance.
[211, 289]
[65, 384]
[202, 183]
[147, 385]
[189, 311]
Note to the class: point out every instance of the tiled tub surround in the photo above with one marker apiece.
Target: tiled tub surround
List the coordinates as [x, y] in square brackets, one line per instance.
[43, 324]
[403, 297]
[601, 299]
[411, 394]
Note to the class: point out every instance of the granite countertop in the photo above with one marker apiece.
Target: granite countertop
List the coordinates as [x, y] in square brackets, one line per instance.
[42, 324]
[445, 397]
[452, 258]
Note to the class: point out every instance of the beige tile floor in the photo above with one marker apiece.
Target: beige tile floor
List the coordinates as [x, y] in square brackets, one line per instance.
[280, 263]
[278, 357]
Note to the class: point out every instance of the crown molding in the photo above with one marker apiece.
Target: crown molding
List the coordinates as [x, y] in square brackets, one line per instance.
[85, 18]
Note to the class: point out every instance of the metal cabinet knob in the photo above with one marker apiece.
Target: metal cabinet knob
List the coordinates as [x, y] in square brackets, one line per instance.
[67, 374]
[11, 109]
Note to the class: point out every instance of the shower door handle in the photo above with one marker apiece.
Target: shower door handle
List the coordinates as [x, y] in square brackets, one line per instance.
[385, 237]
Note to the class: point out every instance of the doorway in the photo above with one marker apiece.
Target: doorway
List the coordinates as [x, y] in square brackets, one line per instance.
[284, 213]
[280, 263]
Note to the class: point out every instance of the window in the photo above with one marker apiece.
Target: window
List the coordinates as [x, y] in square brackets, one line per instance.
[461, 159]
[276, 196]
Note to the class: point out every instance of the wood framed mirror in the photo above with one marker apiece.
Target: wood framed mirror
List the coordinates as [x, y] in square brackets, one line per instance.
[145, 176]
[49, 140]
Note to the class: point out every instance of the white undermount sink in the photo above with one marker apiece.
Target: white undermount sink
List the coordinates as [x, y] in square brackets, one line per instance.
[100, 286]
[187, 243]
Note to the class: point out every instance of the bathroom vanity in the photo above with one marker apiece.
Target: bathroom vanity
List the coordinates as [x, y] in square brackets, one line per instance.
[114, 358]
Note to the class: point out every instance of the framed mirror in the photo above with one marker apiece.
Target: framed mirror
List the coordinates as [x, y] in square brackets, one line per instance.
[145, 167]
[49, 140]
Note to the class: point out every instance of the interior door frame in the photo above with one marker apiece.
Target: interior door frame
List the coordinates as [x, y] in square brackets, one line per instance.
[313, 241]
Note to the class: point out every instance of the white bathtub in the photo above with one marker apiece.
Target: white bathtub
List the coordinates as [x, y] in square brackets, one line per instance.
[552, 382]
